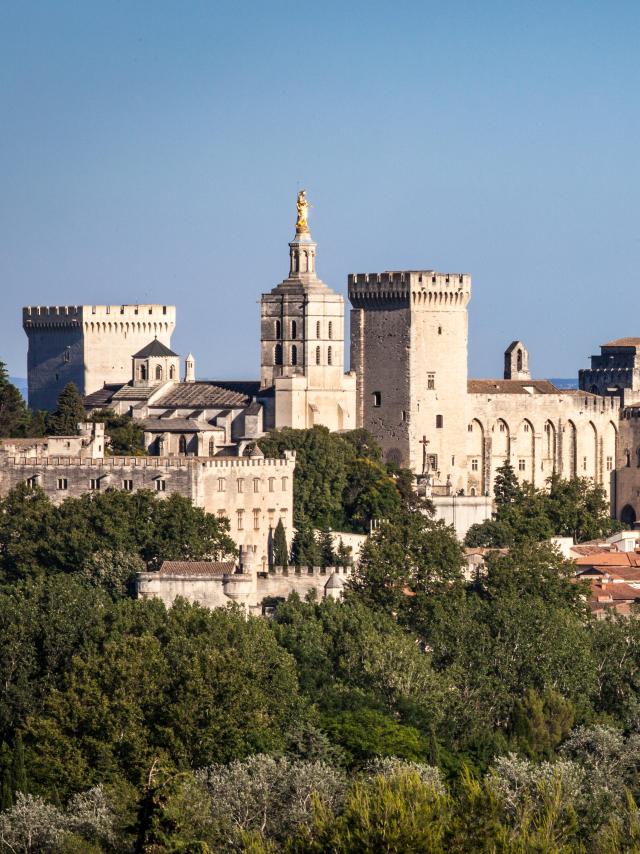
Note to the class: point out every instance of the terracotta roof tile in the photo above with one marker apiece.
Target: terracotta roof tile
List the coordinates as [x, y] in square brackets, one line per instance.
[196, 567]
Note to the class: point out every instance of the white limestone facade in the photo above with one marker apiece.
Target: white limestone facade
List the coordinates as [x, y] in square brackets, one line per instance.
[409, 350]
[302, 347]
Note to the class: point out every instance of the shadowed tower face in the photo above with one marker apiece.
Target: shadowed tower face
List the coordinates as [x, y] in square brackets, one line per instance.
[302, 341]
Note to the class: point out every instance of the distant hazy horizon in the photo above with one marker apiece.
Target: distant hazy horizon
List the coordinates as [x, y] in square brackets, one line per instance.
[153, 153]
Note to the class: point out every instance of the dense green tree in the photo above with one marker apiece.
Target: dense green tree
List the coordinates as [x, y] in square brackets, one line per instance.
[125, 436]
[321, 471]
[304, 547]
[339, 480]
[407, 554]
[14, 415]
[68, 414]
[370, 494]
[280, 547]
[36, 536]
[192, 685]
[575, 508]
[398, 813]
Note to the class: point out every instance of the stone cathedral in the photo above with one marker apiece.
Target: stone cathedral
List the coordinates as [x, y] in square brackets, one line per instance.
[408, 384]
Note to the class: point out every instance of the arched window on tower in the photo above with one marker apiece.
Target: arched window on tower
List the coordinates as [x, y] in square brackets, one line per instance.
[158, 372]
[182, 445]
[294, 355]
[318, 329]
[212, 448]
[172, 372]
[330, 330]
[317, 355]
[294, 329]
[519, 360]
[143, 372]
[277, 354]
[329, 356]
[278, 329]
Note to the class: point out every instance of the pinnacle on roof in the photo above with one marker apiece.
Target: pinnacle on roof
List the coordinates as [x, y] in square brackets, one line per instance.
[154, 348]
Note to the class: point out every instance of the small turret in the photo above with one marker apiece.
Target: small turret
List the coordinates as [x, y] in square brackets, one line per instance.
[516, 362]
[190, 369]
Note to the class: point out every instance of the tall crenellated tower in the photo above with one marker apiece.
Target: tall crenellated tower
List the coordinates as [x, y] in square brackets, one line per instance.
[302, 342]
[89, 345]
[409, 351]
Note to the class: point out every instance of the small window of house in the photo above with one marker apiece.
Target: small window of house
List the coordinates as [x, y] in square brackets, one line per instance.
[377, 398]
[522, 465]
[431, 382]
[94, 484]
[127, 485]
[62, 483]
[161, 485]
[474, 465]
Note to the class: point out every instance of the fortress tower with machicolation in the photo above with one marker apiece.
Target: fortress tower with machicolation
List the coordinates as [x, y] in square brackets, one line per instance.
[409, 351]
[89, 345]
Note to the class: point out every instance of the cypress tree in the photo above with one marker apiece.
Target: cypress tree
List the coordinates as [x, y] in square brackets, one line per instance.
[18, 771]
[304, 548]
[280, 548]
[68, 414]
[325, 543]
[506, 488]
[14, 415]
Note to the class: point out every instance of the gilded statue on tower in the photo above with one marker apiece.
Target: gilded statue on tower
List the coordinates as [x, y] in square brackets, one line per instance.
[302, 225]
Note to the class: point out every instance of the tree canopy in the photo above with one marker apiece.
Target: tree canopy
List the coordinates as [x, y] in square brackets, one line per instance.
[575, 508]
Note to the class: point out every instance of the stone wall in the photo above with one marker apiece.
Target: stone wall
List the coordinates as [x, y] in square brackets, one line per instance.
[571, 433]
[253, 493]
[248, 589]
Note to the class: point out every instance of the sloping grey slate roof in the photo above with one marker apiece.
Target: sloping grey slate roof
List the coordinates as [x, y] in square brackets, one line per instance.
[201, 395]
[154, 348]
[102, 396]
[177, 425]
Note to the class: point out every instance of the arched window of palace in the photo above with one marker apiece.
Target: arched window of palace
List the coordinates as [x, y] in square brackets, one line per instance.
[294, 355]
[182, 445]
[158, 372]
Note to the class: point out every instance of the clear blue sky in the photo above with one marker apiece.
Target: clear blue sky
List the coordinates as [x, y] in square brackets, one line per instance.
[151, 151]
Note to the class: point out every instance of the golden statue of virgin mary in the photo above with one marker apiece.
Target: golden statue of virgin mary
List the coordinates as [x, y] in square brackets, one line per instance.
[302, 225]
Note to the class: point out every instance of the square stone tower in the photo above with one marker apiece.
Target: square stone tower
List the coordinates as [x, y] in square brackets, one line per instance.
[89, 345]
[409, 351]
[302, 343]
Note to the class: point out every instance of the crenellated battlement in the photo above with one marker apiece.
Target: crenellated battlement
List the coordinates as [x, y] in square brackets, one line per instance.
[55, 316]
[415, 287]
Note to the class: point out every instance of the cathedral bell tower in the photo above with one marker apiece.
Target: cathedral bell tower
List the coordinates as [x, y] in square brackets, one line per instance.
[302, 340]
